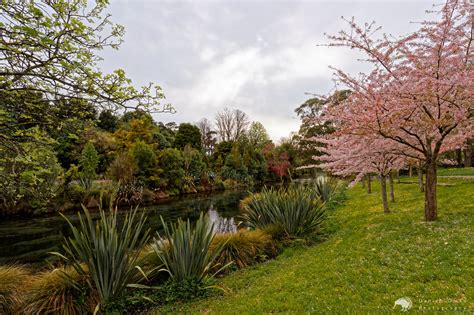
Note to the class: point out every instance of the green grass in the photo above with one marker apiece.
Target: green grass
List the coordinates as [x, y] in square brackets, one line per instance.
[370, 261]
[463, 171]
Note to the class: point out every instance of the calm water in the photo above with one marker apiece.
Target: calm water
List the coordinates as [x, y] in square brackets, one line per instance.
[30, 240]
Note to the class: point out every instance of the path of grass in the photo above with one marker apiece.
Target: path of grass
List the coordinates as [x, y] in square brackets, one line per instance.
[369, 262]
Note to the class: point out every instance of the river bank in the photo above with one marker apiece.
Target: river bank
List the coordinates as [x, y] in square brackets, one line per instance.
[29, 240]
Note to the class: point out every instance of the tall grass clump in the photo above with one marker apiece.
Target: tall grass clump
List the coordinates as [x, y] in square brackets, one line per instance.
[106, 249]
[185, 251]
[59, 291]
[325, 188]
[244, 247]
[297, 210]
[12, 282]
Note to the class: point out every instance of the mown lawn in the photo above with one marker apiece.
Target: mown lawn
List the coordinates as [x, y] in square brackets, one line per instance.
[463, 171]
[370, 261]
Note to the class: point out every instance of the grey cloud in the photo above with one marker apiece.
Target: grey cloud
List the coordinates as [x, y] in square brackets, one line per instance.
[260, 56]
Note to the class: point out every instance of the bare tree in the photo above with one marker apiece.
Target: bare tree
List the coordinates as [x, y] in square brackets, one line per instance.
[241, 123]
[231, 124]
[208, 135]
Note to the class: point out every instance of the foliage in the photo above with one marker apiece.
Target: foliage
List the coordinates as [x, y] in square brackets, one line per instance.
[194, 165]
[51, 47]
[244, 247]
[106, 250]
[145, 161]
[417, 101]
[314, 124]
[257, 135]
[186, 251]
[208, 136]
[142, 300]
[296, 209]
[12, 282]
[59, 291]
[374, 257]
[325, 188]
[234, 167]
[135, 128]
[122, 169]
[108, 121]
[170, 164]
[188, 134]
[29, 176]
[88, 164]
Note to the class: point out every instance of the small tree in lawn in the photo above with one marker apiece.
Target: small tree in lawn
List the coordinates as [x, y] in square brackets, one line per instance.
[420, 94]
[347, 155]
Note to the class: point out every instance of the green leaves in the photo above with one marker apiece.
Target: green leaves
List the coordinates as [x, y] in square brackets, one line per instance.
[297, 210]
[186, 251]
[106, 249]
[52, 47]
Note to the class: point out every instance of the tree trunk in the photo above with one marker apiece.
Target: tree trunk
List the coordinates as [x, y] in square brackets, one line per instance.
[383, 182]
[369, 185]
[430, 192]
[390, 182]
[398, 176]
[410, 171]
[419, 170]
[468, 158]
[459, 162]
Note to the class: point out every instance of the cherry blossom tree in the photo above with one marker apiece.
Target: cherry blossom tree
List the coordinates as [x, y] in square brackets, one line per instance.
[420, 94]
[349, 154]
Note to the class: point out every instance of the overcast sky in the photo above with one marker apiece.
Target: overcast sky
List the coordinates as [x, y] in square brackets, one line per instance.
[258, 56]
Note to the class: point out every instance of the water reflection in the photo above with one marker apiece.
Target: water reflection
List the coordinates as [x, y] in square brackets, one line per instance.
[221, 224]
[30, 240]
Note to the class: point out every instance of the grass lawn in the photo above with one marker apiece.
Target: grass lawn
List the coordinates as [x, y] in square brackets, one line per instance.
[370, 261]
[463, 171]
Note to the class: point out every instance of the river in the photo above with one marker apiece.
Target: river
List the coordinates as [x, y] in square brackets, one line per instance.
[29, 240]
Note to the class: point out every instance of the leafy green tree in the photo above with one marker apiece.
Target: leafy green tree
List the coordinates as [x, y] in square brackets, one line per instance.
[188, 134]
[171, 168]
[88, 164]
[166, 134]
[51, 47]
[234, 166]
[256, 164]
[314, 125]
[30, 180]
[194, 166]
[122, 169]
[222, 150]
[145, 161]
[108, 121]
[257, 135]
[139, 127]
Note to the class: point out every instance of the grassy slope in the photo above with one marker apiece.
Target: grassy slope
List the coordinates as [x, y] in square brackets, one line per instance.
[369, 262]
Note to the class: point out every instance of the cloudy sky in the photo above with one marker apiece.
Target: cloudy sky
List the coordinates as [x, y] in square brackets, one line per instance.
[258, 56]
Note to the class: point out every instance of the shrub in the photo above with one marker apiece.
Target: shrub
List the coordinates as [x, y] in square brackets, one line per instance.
[59, 291]
[12, 281]
[297, 210]
[106, 249]
[88, 162]
[31, 180]
[150, 263]
[325, 188]
[186, 251]
[244, 247]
